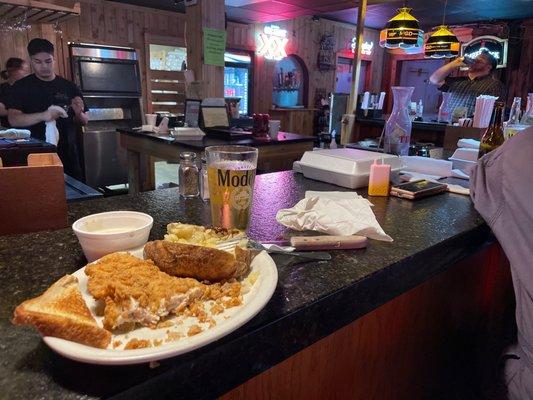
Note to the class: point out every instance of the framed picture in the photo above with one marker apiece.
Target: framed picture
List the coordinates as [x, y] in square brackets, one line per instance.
[192, 112]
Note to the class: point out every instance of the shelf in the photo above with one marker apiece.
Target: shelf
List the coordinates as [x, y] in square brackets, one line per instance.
[38, 11]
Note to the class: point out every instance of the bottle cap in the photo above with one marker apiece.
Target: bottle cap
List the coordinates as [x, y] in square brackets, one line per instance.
[188, 156]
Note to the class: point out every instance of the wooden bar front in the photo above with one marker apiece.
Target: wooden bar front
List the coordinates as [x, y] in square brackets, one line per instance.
[441, 338]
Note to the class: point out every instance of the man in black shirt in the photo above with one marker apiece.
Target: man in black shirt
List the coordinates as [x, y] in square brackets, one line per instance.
[465, 89]
[31, 98]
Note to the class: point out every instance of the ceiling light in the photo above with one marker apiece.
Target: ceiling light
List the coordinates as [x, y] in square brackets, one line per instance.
[402, 31]
[442, 44]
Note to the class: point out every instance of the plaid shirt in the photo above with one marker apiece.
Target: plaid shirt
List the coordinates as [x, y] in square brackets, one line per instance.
[465, 90]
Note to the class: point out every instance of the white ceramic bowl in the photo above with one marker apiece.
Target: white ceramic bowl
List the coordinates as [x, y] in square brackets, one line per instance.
[105, 233]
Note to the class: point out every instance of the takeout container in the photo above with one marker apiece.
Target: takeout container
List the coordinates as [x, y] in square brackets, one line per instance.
[349, 168]
[464, 159]
[108, 232]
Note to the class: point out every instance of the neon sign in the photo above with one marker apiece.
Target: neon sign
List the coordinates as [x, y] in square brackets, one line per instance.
[494, 45]
[366, 47]
[271, 43]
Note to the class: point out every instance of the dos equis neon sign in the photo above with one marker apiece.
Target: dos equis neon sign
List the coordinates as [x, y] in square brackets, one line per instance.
[271, 43]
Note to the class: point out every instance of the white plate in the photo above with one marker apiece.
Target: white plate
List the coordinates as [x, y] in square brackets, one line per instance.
[254, 301]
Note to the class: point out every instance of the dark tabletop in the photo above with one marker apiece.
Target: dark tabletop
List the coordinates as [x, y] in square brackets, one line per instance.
[426, 125]
[14, 152]
[283, 138]
[311, 300]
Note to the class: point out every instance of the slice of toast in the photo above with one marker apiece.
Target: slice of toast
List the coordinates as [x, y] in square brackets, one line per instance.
[61, 312]
[199, 262]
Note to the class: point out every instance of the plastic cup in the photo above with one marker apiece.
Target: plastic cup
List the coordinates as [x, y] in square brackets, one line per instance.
[151, 119]
[273, 128]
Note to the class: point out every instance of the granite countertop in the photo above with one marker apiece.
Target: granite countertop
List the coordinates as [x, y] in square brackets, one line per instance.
[283, 138]
[310, 302]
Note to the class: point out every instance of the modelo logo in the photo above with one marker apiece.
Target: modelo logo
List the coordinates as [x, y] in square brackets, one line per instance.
[494, 45]
[227, 179]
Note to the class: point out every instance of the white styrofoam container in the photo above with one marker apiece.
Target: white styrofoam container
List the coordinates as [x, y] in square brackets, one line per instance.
[348, 168]
[465, 165]
[465, 154]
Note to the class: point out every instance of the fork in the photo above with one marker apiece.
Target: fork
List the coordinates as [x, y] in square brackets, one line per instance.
[229, 245]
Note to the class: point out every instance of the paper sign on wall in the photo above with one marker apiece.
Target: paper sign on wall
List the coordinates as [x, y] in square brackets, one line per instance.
[214, 46]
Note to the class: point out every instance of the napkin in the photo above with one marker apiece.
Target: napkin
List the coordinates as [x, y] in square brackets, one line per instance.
[330, 213]
[468, 143]
[163, 126]
[51, 132]
[13, 133]
[483, 110]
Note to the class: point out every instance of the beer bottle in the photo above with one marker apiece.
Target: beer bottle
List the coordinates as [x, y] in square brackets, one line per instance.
[493, 136]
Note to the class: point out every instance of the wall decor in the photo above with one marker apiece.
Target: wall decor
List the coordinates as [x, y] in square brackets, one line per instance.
[326, 53]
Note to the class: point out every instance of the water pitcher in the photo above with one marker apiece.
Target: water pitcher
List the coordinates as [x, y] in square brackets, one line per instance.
[398, 126]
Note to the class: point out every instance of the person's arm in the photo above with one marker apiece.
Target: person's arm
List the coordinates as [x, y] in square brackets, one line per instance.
[439, 76]
[18, 119]
[3, 111]
[486, 185]
[80, 116]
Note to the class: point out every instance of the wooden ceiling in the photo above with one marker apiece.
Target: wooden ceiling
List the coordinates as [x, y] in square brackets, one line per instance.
[429, 12]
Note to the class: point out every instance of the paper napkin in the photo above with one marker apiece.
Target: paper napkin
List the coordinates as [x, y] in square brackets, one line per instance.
[330, 213]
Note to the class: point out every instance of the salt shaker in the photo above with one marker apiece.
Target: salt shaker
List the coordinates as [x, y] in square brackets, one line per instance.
[204, 184]
[188, 175]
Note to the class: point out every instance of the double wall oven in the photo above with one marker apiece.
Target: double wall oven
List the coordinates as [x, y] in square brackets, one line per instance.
[109, 78]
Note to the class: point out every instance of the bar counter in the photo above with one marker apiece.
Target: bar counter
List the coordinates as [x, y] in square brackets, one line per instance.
[144, 147]
[433, 237]
[442, 135]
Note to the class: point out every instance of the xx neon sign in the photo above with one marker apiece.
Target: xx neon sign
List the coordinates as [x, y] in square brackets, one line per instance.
[271, 43]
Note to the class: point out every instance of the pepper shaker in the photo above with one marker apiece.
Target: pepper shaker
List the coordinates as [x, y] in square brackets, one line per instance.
[188, 175]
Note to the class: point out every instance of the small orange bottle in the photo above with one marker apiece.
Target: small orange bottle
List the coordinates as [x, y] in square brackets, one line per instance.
[379, 181]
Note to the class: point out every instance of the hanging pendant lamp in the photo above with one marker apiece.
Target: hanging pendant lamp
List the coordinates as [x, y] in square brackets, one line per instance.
[442, 43]
[402, 31]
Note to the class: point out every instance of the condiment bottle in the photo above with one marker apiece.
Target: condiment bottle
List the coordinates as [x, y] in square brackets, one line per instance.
[204, 184]
[188, 175]
[379, 181]
[493, 136]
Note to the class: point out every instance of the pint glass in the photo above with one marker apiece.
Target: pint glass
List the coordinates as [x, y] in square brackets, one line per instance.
[231, 175]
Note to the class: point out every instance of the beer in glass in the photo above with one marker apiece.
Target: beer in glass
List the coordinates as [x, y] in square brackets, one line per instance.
[231, 175]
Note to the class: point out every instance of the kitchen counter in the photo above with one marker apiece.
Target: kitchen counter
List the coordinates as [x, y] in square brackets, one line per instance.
[311, 300]
[144, 147]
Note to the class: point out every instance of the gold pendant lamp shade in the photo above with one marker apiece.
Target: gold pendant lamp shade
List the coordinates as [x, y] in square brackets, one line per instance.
[402, 31]
[442, 43]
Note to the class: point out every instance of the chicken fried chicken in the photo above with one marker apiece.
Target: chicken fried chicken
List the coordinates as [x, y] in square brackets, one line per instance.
[136, 291]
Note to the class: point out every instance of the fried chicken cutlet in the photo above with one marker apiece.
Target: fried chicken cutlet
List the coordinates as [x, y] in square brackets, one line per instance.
[136, 291]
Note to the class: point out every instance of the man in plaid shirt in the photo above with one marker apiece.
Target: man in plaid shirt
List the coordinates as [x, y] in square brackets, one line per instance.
[465, 89]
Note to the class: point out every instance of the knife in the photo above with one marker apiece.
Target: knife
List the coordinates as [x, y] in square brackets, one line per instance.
[326, 242]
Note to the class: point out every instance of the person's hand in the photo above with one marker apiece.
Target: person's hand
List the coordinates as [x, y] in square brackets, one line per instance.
[458, 62]
[53, 113]
[77, 105]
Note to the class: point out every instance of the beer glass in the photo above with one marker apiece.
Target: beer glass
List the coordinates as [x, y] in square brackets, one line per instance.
[231, 175]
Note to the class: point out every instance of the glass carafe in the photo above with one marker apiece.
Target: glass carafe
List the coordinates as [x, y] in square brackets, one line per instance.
[445, 114]
[527, 118]
[398, 126]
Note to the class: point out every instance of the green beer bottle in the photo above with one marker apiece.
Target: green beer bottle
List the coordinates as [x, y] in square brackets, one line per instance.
[493, 136]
